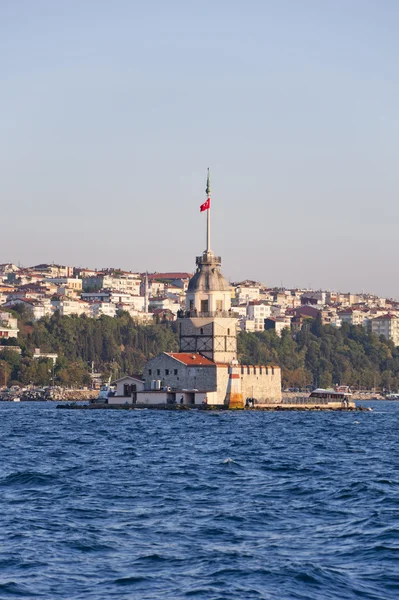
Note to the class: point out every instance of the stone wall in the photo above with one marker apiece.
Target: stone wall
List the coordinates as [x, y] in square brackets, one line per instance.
[262, 383]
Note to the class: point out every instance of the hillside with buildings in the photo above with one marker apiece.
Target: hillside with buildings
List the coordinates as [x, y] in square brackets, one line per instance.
[60, 323]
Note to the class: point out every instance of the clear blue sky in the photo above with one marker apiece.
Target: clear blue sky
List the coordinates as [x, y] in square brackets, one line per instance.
[110, 113]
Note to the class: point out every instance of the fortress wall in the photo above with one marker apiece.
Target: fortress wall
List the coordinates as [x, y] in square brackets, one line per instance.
[262, 383]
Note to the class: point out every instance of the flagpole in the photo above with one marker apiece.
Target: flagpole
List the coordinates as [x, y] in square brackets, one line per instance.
[208, 231]
[208, 221]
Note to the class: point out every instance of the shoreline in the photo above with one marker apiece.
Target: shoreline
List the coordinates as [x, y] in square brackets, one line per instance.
[263, 408]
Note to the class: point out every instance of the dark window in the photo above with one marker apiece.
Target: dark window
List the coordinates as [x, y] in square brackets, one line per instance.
[228, 332]
[201, 331]
[158, 371]
[166, 371]
[204, 306]
[175, 371]
[149, 371]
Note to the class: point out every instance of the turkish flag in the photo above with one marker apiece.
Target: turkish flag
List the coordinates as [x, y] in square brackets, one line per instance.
[206, 205]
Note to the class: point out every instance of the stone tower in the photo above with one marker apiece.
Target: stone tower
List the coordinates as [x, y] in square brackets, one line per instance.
[207, 325]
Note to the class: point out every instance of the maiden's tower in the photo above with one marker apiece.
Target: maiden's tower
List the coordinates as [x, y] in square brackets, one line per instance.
[206, 367]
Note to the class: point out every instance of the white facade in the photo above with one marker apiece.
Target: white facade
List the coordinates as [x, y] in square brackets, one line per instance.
[8, 325]
[102, 308]
[7, 332]
[67, 307]
[258, 311]
[69, 283]
[352, 316]
[128, 283]
[387, 326]
[247, 293]
[125, 389]
[8, 319]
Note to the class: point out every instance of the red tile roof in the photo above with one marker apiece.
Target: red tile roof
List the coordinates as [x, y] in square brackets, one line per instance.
[387, 317]
[190, 358]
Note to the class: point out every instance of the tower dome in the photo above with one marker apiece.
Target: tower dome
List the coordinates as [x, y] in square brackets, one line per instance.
[208, 277]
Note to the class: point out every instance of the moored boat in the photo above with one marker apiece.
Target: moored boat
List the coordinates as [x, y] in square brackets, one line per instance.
[341, 395]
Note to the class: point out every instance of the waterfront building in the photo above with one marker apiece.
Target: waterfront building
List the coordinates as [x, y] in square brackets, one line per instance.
[126, 389]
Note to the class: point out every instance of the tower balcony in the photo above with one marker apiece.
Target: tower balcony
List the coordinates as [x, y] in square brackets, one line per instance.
[193, 314]
[208, 258]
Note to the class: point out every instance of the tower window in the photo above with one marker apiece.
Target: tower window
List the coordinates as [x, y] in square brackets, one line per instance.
[158, 371]
[166, 371]
[204, 306]
[202, 330]
[175, 371]
[228, 332]
[149, 371]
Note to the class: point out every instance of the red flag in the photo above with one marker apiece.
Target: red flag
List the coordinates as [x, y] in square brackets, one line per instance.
[206, 205]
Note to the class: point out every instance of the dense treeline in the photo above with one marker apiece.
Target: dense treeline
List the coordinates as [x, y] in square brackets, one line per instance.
[324, 355]
[116, 346]
[318, 355]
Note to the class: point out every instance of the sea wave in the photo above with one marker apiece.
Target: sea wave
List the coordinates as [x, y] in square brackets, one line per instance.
[218, 506]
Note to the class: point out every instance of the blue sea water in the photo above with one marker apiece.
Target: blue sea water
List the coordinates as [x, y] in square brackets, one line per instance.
[198, 505]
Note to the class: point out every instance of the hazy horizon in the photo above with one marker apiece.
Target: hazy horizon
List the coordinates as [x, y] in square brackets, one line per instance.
[111, 114]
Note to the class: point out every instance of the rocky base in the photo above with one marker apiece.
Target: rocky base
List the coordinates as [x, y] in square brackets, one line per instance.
[263, 407]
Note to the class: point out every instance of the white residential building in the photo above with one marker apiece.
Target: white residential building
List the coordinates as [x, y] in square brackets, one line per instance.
[387, 326]
[258, 310]
[114, 297]
[277, 324]
[67, 306]
[39, 307]
[53, 270]
[6, 318]
[8, 332]
[246, 293]
[67, 283]
[128, 283]
[352, 316]
[102, 308]
[8, 325]
[164, 303]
